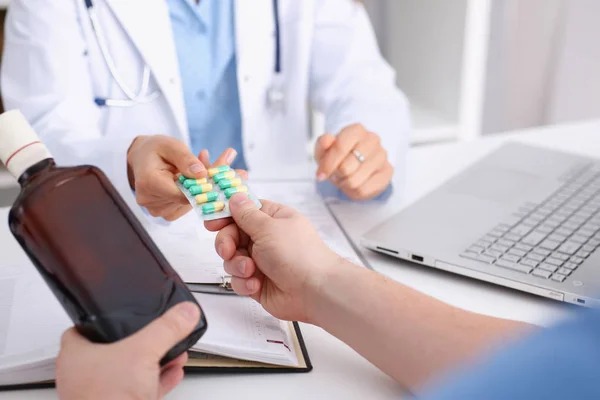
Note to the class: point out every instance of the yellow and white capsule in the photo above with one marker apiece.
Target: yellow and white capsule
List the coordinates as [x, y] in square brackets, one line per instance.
[188, 183]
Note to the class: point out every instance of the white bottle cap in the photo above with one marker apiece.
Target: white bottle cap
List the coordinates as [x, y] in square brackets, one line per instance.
[20, 146]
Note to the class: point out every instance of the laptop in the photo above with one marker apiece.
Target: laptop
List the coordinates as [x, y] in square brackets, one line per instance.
[523, 217]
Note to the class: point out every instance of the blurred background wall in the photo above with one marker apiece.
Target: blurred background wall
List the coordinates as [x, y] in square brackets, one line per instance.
[473, 67]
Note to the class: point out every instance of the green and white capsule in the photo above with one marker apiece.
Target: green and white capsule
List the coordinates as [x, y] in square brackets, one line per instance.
[212, 208]
[199, 189]
[224, 175]
[231, 191]
[214, 171]
[182, 178]
[229, 183]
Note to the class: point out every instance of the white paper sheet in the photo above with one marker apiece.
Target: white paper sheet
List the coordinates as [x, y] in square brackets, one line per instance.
[31, 323]
[190, 249]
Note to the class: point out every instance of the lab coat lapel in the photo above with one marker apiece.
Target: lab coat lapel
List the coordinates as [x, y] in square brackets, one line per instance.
[148, 25]
[253, 19]
[254, 28]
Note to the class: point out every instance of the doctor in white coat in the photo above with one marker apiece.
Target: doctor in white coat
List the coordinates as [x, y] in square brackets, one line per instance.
[139, 87]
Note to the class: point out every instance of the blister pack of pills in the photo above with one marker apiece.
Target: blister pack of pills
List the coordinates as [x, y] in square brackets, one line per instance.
[210, 196]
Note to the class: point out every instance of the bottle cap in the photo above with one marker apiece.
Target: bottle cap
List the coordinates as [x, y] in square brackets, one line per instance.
[20, 146]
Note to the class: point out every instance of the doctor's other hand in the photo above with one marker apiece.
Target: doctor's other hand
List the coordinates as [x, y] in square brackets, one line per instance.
[265, 253]
[128, 369]
[355, 162]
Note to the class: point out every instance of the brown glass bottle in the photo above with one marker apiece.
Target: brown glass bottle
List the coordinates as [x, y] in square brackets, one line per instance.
[92, 251]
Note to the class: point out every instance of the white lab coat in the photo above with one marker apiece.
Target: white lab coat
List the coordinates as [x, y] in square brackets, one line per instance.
[53, 69]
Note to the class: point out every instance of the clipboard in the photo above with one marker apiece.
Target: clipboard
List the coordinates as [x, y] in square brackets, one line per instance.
[216, 365]
[213, 288]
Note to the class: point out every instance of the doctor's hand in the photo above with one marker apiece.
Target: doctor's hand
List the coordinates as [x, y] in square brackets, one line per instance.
[153, 164]
[265, 252]
[354, 161]
[128, 369]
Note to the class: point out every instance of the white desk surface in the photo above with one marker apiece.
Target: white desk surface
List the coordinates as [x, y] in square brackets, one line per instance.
[339, 373]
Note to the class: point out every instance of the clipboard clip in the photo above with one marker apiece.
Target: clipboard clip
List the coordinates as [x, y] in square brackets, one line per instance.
[213, 288]
[226, 282]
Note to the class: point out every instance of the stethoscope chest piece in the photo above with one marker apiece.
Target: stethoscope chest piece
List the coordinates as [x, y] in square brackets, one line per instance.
[276, 99]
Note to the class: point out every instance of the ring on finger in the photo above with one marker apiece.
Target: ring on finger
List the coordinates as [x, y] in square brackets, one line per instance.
[348, 167]
[359, 156]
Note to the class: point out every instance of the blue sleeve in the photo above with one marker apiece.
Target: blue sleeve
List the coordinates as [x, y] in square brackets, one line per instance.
[559, 363]
[328, 190]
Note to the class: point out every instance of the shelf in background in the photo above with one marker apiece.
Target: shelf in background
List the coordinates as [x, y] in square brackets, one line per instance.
[6, 179]
[9, 189]
[430, 126]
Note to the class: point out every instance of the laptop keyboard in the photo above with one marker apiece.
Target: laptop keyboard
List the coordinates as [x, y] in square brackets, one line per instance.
[552, 239]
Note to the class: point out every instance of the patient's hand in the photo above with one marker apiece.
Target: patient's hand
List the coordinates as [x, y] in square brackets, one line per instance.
[128, 369]
[274, 256]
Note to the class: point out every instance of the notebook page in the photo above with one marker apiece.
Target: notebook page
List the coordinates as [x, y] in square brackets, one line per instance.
[238, 327]
[303, 196]
[37, 373]
[190, 249]
[32, 321]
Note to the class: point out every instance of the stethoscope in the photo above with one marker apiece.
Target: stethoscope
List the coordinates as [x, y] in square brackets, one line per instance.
[133, 99]
[275, 94]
